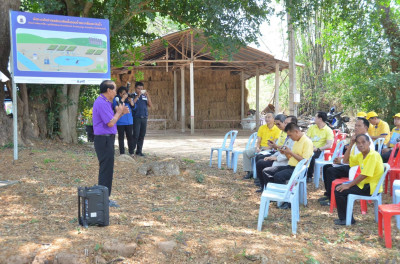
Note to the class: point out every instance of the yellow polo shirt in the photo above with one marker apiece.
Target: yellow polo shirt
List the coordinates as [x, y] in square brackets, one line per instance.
[381, 128]
[394, 137]
[281, 139]
[265, 133]
[303, 147]
[319, 136]
[371, 166]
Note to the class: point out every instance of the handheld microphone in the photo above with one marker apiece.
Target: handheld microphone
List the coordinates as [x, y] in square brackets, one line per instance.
[117, 100]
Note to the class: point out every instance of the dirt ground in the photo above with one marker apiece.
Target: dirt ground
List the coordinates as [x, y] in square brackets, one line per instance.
[208, 215]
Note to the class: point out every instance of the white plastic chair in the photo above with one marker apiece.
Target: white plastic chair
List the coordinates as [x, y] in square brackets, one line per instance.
[320, 162]
[274, 192]
[379, 142]
[235, 154]
[376, 197]
[232, 136]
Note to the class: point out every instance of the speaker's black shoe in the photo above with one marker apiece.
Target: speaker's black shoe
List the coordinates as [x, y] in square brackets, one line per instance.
[249, 175]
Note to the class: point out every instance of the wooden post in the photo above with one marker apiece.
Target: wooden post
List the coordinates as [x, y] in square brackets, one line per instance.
[292, 66]
[257, 98]
[276, 88]
[183, 98]
[242, 98]
[191, 85]
[191, 99]
[166, 58]
[175, 98]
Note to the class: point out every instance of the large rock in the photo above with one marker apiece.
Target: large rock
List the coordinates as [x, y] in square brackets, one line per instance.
[67, 258]
[162, 168]
[167, 246]
[121, 249]
[125, 158]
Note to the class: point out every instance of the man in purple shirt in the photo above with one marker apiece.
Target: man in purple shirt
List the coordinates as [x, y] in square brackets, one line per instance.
[104, 120]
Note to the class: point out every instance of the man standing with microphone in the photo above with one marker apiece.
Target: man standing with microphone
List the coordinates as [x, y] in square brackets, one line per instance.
[104, 120]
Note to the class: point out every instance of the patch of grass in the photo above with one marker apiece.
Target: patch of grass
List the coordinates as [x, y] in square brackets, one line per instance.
[178, 198]
[199, 176]
[77, 180]
[180, 237]
[79, 230]
[73, 220]
[38, 150]
[45, 161]
[33, 221]
[7, 146]
[310, 258]
[189, 161]
[98, 247]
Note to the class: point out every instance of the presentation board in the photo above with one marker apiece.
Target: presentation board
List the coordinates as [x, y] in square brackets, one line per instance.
[59, 49]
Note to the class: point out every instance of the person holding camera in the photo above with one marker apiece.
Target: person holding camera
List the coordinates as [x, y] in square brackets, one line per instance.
[125, 123]
[140, 114]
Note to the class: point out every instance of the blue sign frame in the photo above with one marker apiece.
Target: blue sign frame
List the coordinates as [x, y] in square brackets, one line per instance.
[59, 49]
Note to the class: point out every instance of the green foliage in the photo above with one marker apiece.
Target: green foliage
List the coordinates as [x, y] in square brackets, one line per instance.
[45, 161]
[199, 176]
[189, 161]
[361, 42]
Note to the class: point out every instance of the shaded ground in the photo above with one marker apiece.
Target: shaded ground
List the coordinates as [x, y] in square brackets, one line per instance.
[210, 214]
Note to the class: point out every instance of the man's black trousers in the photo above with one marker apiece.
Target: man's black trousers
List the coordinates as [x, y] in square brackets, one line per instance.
[139, 131]
[104, 146]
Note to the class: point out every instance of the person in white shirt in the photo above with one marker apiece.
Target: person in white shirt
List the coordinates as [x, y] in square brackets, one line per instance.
[340, 167]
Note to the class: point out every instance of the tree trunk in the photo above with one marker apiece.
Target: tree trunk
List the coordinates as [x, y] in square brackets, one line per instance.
[6, 134]
[392, 32]
[68, 114]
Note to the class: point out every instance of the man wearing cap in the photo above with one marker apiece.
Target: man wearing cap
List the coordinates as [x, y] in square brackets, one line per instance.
[379, 128]
[394, 139]
[362, 114]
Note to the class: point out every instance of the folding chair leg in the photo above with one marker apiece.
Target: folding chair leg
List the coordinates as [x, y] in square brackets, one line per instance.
[349, 210]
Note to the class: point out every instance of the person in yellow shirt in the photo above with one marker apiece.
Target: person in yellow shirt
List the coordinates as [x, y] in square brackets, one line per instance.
[267, 132]
[302, 149]
[371, 166]
[340, 167]
[277, 158]
[394, 139]
[321, 136]
[379, 128]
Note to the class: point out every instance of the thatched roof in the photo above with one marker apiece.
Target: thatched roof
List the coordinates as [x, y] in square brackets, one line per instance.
[179, 52]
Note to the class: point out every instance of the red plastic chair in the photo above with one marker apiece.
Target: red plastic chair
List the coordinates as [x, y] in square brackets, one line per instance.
[329, 152]
[385, 213]
[394, 172]
[336, 182]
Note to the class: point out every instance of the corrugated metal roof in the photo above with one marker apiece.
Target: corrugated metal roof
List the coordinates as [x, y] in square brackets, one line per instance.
[179, 50]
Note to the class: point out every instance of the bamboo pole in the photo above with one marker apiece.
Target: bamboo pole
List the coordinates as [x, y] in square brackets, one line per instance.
[292, 67]
[175, 98]
[191, 86]
[257, 97]
[276, 88]
[242, 97]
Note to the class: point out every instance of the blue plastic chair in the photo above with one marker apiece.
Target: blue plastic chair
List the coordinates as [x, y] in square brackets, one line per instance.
[376, 197]
[396, 198]
[235, 154]
[379, 142]
[232, 136]
[302, 185]
[274, 192]
[320, 162]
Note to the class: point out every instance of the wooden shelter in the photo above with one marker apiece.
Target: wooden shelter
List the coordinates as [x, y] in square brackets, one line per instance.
[211, 91]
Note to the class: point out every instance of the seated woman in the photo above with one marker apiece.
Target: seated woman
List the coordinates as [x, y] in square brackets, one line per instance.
[371, 166]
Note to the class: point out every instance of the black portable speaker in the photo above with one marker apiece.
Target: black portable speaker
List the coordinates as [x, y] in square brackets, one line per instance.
[93, 206]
